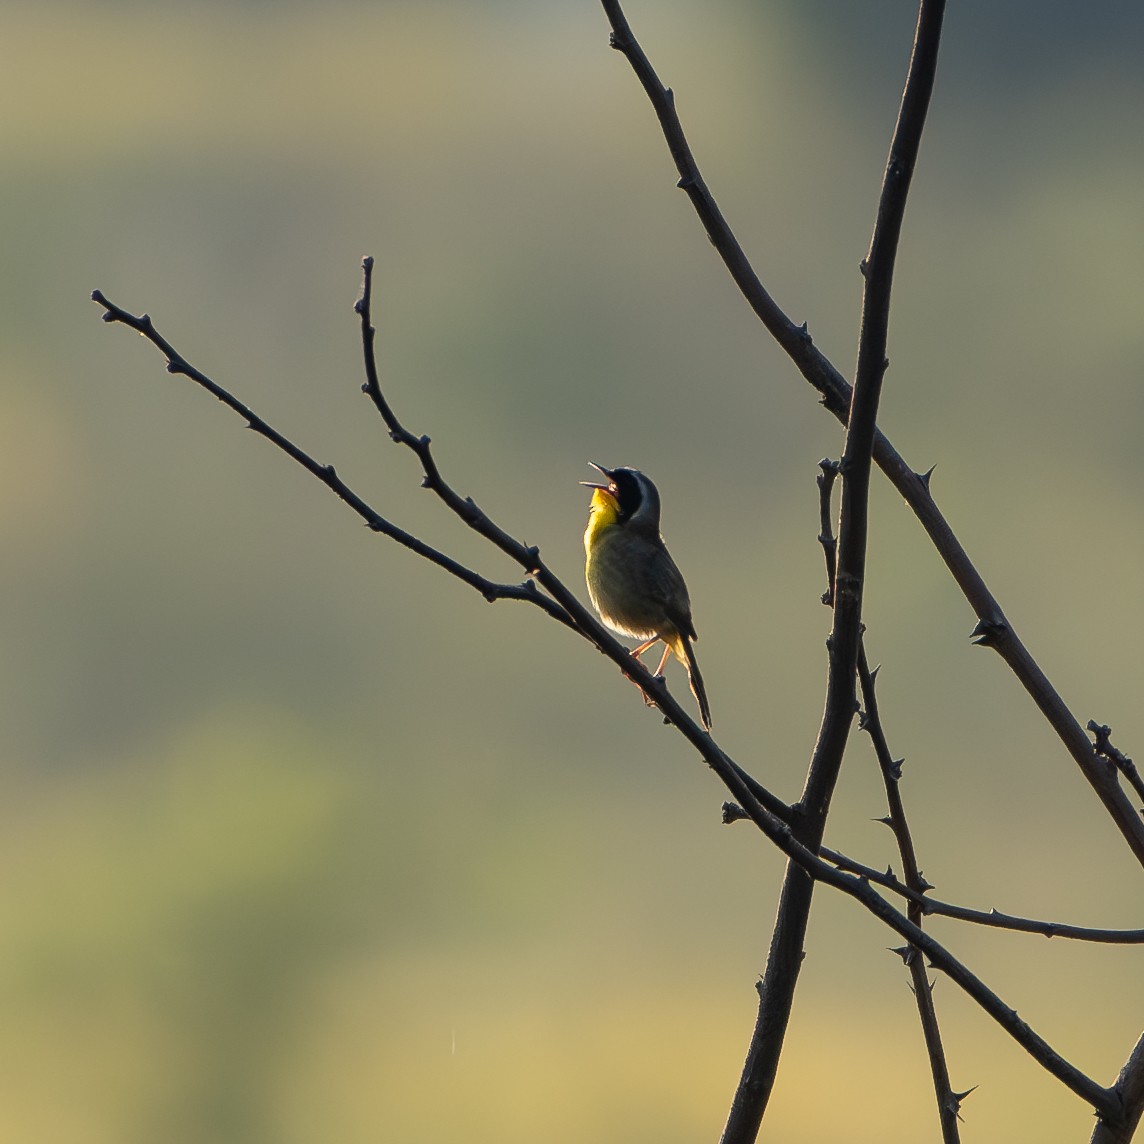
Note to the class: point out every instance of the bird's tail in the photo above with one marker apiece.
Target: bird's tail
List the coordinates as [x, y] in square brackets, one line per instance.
[697, 688]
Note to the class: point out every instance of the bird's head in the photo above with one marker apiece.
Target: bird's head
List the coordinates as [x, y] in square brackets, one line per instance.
[629, 496]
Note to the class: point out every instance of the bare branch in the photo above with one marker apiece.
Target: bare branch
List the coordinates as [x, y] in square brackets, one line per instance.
[776, 991]
[948, 1102]
[995, 919]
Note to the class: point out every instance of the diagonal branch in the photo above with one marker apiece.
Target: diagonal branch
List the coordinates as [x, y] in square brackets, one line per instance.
[816, 368]
[995, 919]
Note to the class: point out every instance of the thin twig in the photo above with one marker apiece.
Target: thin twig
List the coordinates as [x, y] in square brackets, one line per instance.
[931, 906]
[827, 475]
[994, 629]
[995, 919]
[1103, 747]
[464, 507]
[948, 1101]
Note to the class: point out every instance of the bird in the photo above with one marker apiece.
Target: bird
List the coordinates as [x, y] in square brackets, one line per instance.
[633, 582]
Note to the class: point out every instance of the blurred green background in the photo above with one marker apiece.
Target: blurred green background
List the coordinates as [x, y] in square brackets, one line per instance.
[301, 841]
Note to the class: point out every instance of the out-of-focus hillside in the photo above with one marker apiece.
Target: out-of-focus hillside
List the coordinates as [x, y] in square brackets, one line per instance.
[301, 841]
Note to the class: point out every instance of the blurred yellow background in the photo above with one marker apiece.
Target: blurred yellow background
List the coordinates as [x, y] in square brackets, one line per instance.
[303, 842]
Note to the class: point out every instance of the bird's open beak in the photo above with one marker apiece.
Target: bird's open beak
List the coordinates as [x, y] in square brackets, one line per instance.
[592, 484]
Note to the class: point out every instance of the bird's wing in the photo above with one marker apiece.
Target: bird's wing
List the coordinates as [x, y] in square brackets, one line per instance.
[667, 585]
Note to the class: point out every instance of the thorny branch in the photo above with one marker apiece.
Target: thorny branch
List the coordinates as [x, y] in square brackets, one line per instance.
[757, 803]
[930, 906]
[777, 988]
[948, 1101]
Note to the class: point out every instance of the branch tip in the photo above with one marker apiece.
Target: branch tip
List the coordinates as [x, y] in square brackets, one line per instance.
[733, 812]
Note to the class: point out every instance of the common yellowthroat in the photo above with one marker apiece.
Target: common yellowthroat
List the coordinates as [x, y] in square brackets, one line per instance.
[632, 579]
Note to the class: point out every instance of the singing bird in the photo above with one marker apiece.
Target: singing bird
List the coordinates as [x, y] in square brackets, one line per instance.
[632, 580]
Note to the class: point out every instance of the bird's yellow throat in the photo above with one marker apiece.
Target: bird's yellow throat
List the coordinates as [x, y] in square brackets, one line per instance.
[603, 511]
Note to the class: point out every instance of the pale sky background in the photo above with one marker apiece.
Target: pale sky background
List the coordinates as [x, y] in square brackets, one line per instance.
[304, 842]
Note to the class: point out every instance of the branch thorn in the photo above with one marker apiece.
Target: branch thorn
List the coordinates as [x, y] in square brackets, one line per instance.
[989, 633]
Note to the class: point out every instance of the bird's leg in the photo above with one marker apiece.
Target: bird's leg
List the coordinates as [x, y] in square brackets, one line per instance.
[638, 651]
